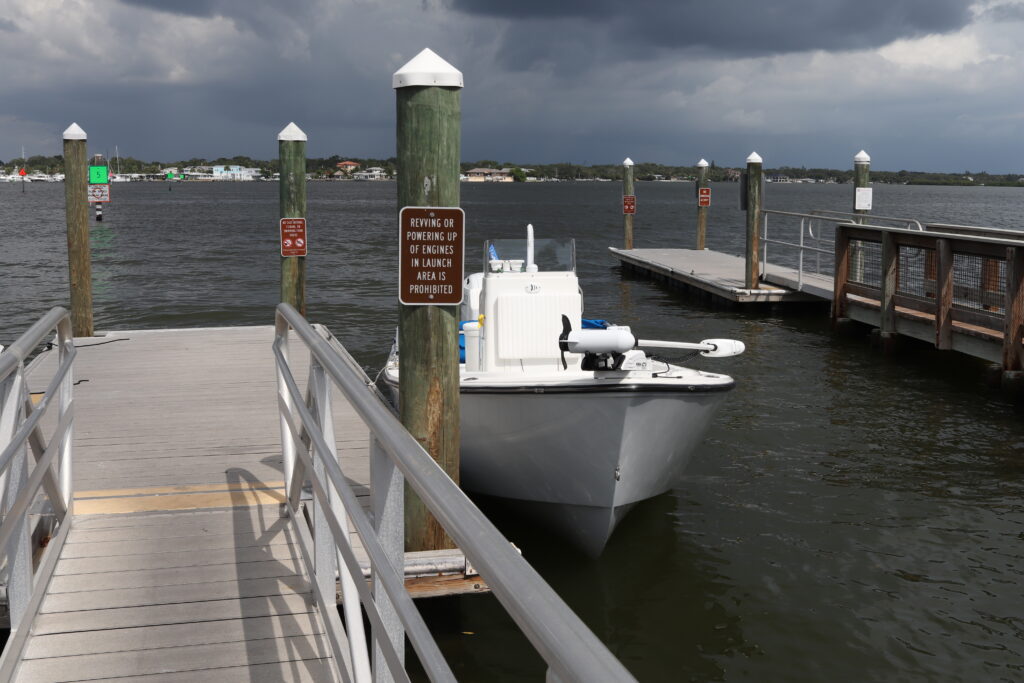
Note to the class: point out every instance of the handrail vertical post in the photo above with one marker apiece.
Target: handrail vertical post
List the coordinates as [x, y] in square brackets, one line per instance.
[888, 286]
[842, 273]
[387, 497]
[65, 346]
[1013, 352]
[328, 560]
[18, 550]
[287, 440]
[944, 295]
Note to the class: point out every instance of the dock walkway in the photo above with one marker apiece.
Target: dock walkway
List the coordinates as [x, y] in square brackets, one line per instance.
[721, 275]
[179, 560]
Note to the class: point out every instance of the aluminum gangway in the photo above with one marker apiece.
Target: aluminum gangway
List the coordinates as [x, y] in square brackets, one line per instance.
[167, 518]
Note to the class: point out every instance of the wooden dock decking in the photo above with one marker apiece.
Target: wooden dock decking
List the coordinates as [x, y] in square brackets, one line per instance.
[179, 565]
[721, 275]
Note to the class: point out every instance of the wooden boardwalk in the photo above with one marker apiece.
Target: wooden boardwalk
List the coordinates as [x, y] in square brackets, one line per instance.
[721, 275]
[179, 565]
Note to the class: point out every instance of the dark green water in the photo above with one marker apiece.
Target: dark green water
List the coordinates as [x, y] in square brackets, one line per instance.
[850, 517]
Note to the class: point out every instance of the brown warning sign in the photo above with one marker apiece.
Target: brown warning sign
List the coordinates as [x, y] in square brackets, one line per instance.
[629, 203]
[431, 243]
[293, 237]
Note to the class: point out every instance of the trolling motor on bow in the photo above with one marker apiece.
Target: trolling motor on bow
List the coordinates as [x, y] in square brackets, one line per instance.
[605, 349]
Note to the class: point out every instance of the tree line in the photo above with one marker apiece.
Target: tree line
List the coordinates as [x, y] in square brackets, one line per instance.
[326, 167]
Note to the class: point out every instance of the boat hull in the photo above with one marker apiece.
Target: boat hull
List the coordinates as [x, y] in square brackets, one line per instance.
[581, 457]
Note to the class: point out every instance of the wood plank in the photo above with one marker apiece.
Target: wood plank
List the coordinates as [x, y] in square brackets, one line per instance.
[174, 576]
[190, 501]
[165, 595]
[292, 650]
[311, 671]
[113, 549]
[172, 635]
[174, 613]
[238, 556]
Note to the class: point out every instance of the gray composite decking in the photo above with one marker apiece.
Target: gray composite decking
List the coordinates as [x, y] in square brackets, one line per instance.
[722, 275]
[179, 565]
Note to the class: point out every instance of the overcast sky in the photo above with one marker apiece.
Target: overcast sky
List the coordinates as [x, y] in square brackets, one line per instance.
[920, 84]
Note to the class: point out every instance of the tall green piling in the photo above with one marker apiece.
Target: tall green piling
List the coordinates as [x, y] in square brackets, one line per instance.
[291, 143]
[427, 91]
[76, 207]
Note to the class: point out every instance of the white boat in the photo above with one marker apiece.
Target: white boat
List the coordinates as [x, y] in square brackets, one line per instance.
[580, 424]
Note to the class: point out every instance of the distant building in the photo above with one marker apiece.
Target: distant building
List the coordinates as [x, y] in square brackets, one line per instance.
[489, 175]
[732, 174]
[347, 166]
[372, 173]
[234, 172]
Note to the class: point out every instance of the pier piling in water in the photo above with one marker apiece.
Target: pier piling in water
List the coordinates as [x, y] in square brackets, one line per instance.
[702, 211]
[428, 101]
[292, 154]
[753, 208]
[76, 208]
[628, 203]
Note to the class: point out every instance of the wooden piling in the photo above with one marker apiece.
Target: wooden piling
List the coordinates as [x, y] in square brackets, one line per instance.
[702, 211]
[292, 155]
[76, 207]
[1013, 331]
[754, 187]
[861, 179]
[428, 102]
[627, 214]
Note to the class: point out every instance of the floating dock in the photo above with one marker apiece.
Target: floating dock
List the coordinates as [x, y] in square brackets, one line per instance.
[179, 561]
[721, 276]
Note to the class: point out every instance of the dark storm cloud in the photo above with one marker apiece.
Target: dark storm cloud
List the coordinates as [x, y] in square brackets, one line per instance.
[749, 28]
[1006, 13]
[261, 18]
[9, 26]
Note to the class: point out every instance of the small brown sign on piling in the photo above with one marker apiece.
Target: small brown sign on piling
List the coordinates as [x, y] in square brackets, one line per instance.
[431, 244]
[293, 237]
[629, 204]
[704, 196]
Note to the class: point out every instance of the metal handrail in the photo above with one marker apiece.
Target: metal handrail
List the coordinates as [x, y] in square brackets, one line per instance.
[571, 650]
[807, 223]
[20, 433]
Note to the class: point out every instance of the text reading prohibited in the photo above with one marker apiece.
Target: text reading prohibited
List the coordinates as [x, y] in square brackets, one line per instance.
[431, 242]
[293, 237]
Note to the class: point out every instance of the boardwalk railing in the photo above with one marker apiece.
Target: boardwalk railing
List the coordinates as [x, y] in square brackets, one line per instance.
[959, 286]
[814, 242]
[571, 650]
[20, 481]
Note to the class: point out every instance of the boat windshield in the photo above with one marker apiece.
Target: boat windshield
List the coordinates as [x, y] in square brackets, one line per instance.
[549, 254]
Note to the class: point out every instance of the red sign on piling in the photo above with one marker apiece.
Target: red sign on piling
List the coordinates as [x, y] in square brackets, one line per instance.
[431, 242]
[704, 196]
[293, 237]
[628, 203]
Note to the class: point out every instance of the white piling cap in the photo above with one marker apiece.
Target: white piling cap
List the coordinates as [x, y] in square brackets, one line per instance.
[74, 132]
[427, 68]
[703, 163]
[754, 158]
[627, 162]
[862, 158]
[292, 133]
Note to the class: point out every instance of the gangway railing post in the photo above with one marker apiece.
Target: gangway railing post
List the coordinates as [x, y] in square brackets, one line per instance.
[18, 549]
[387, 495]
